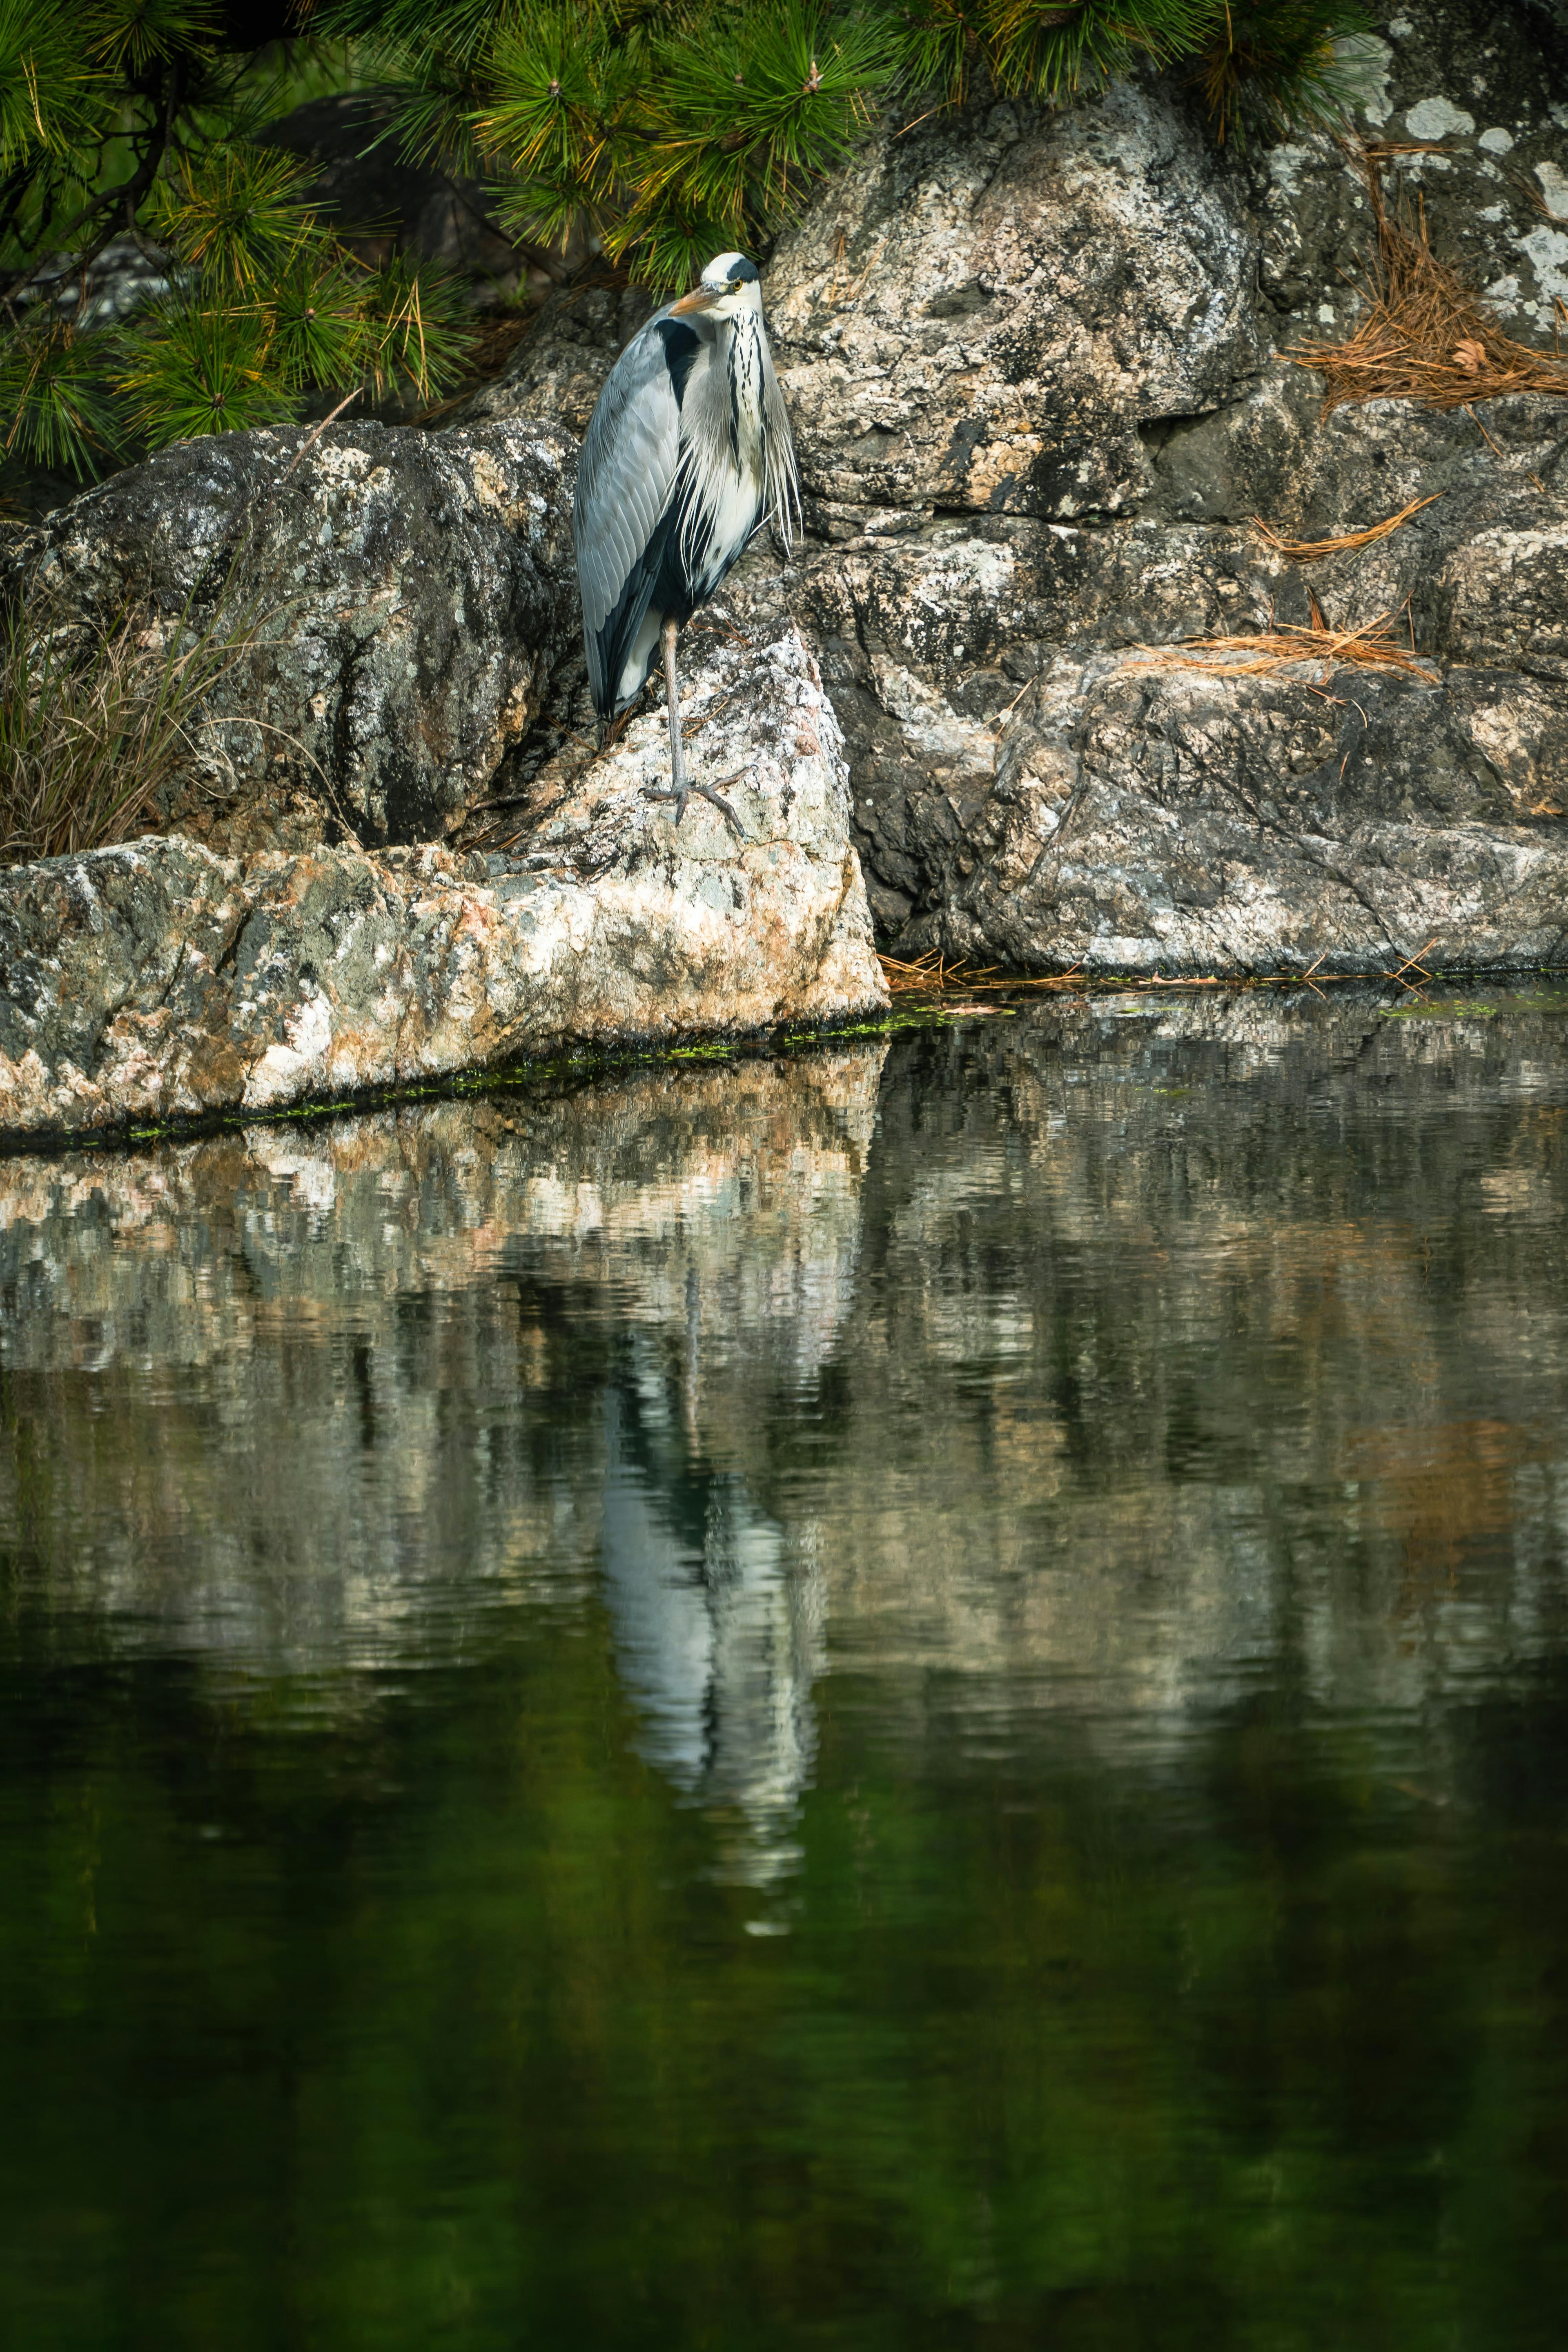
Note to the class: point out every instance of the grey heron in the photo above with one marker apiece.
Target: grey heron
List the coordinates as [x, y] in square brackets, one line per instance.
[688, 450]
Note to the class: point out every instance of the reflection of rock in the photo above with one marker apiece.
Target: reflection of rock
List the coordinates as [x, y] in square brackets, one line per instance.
[618, 1282]
[1101, 1362]
[1253, 1390]
[294, 1480]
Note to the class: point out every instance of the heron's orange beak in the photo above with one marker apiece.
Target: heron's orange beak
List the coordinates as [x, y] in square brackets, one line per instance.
[702, 298]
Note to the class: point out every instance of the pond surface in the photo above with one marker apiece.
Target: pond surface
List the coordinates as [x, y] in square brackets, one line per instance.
[911, 1697]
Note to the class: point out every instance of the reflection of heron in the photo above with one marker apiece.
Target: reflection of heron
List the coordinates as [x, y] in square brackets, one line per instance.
[687, 450]
[711, 1632]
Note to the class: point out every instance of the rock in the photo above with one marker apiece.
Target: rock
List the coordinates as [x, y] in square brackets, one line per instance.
[123, 274]
[718, 1206]
[161, 981]
[559, 367]
[982, 316]
[1040, 369]
[410, 595]
[952, 581]
[378, 202]
[1183, 821]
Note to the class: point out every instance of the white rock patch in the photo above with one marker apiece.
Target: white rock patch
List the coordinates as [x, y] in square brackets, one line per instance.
[1437, 118]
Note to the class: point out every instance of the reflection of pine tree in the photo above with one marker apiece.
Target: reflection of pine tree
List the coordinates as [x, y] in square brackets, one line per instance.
[133, 118]
[667, 129]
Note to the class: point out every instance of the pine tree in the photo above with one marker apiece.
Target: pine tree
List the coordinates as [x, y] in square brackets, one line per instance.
[664, 129]
[671, 129]
[139, 117]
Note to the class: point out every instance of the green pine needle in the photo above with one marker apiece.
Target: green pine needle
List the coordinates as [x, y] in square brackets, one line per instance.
[937, 42]
[234, 214]
[546, 206]
[672, 244]
[457, 29]
[1050, 52]
[558, 82]
[129, 35]
[416, 340]
[1266, 64]
[318, 318]
[788, 94]
[190, 368]
[55, 393]
[51, 94]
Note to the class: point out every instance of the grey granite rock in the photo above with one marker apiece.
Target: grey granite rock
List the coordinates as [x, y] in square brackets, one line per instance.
[1185, 820]
[410, 599]
[161, 979]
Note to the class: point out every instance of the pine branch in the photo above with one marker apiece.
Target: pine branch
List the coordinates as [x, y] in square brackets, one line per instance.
[123, 198]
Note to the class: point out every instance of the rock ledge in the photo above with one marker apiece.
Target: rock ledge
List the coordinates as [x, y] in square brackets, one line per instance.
[160, 980]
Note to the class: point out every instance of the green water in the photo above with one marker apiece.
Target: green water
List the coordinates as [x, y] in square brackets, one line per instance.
[916, 1696]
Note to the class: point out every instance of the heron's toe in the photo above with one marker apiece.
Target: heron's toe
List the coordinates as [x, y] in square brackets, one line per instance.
[678, 795]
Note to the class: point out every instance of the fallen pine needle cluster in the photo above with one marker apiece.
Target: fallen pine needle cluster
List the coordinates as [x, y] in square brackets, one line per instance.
[1427, 335]
[1314, 551]
[933, 975]
[1284, 643]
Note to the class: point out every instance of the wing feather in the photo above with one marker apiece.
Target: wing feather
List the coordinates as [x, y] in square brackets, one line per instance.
[628, 483]
[781, 495]
[630, 455]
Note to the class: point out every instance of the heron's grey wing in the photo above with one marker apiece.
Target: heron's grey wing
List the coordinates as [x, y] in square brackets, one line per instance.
[631, 454]
[782, 494]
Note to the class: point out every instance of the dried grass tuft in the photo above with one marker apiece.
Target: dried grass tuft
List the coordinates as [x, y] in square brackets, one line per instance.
[1312, 551]
[1284, 643]
[1427, 336]
[92, 724]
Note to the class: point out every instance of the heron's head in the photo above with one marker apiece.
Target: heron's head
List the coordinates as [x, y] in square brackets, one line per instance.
[729, 286]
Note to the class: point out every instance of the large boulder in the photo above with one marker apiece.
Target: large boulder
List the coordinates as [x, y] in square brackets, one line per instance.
[984, 316]
[405, 599]
[1212, 820]
[161, 981]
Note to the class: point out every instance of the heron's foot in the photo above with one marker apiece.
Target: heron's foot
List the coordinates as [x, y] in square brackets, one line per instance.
[680, 793]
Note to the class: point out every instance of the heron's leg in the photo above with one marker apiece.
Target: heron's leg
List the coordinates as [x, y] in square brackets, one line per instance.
[677, 784]
[680, 786]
